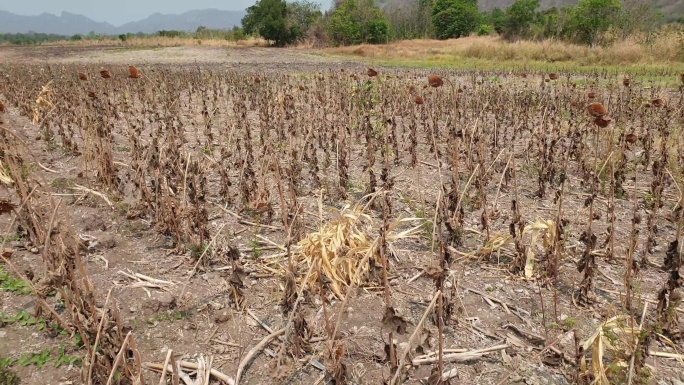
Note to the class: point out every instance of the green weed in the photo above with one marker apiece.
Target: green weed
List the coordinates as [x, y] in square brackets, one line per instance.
[37, 359]
[23, 319]
[7, 376]
[13, 285]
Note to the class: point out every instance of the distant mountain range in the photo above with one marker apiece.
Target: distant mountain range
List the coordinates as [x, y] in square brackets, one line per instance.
[72, 24]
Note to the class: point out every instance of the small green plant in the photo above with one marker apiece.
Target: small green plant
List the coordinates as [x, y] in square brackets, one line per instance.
[569, 323]
[256, 249]
[37, 359]
[166, 316]
[77, 341]
[349, 185]
[649, 199]
[7, 376]
[13, 285]
[62, 183]
[64, 359]
[6, 362]
[170, 316]
[405, 199]
[530, 169]
[610, 334]
[11, 238]
[196, 251]
[427, 225]
[23, 319]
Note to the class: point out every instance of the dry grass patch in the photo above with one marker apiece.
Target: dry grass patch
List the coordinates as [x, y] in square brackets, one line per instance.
[665, 49]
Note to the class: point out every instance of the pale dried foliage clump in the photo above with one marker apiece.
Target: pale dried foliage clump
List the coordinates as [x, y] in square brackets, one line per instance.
[613, 341]
[540, 235]
[345, 247]
[5, 177]
[43, 104]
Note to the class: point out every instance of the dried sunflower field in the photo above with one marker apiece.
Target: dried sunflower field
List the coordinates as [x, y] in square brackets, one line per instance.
[311, 221]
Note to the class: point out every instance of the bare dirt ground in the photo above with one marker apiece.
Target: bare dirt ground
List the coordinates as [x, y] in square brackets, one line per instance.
[195, 316]
[247, 58]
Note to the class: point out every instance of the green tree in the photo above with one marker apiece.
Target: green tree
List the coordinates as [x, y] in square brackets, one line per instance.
[519, 18]
[497, 19]
[637, 18]
[591, 18]
[550, 23]
[237, 33]
[301, 15]
[267, 18]
[409, 19]
[455, 18]
[356, 22]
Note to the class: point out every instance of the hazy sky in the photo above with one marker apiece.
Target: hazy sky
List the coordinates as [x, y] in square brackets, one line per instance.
[119, 12]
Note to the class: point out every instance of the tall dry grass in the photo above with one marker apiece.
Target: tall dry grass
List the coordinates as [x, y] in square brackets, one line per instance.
[667, 48]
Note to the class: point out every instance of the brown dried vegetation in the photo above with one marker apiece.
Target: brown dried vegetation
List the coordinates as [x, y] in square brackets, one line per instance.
[435, 81]
[133, 72]
[597, 110]
[521, 182]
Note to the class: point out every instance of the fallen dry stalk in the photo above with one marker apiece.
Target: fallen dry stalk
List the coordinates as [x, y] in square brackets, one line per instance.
[255, 350]
[412, 339]
[448, 374]
[460, 357]
[277, 246]
[140, 278]
[162, 380]
[117, 360]
[189, 365]
[507, 306]
[97, 193]
[447, 351]
[679, 357]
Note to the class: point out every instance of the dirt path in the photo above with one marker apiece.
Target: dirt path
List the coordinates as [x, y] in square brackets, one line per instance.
[258, 58]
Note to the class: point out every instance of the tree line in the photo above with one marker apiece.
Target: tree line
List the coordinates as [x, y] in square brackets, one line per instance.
[349, 22]
[201, 33]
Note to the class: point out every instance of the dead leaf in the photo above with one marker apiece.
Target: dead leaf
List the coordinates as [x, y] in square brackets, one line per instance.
[394, 322]
[434, 272]
[6, 206]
